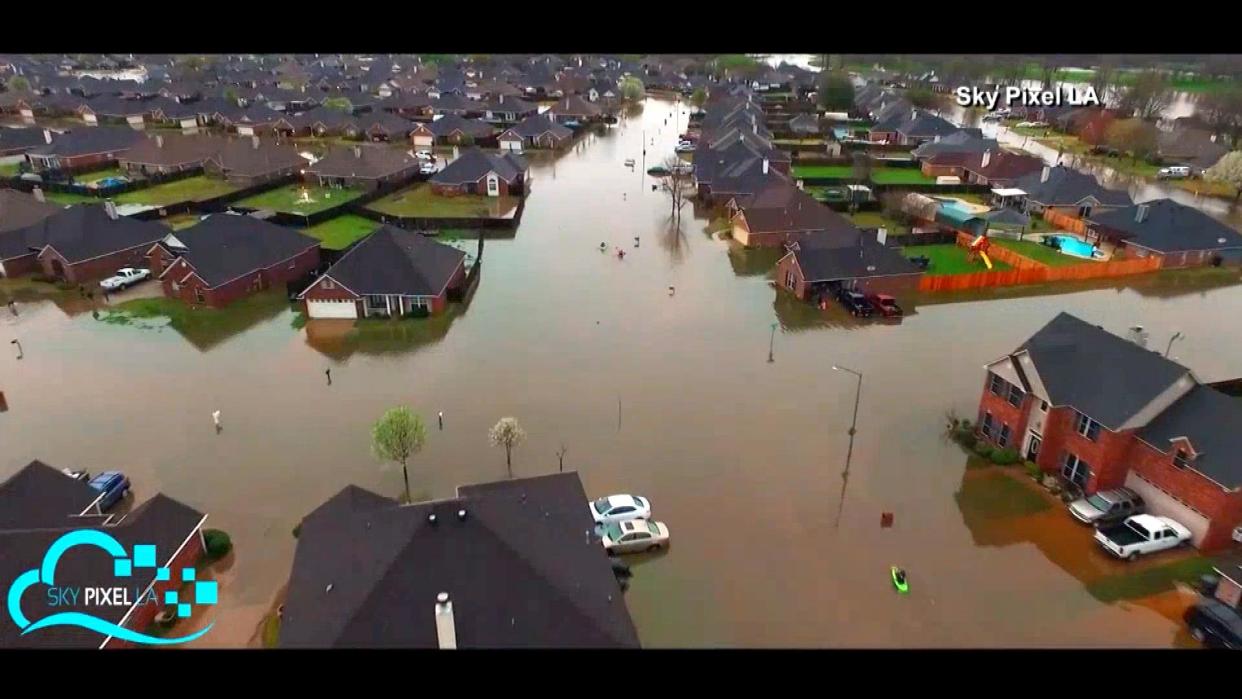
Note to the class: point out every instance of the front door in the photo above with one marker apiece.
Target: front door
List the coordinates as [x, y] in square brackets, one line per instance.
[493, 186]
[1032, 448]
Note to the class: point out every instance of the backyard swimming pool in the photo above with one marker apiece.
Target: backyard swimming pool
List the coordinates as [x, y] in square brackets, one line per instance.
[1073, 246]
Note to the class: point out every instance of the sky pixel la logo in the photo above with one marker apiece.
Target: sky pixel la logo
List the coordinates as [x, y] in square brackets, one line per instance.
[123, 567]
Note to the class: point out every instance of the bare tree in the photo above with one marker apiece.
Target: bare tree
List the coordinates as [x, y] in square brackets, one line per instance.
[676, 184]
[1148, 96]
[560, 457]
[507, 433]
[1102, 78]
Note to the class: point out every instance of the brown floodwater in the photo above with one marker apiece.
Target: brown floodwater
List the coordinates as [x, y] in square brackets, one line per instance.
[670, 396]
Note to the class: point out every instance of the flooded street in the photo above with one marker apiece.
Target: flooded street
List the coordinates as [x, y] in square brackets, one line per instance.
[668, 396]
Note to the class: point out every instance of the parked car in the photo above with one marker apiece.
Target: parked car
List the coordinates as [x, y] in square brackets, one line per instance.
[125, 277]
[634, 536]
[886, 305]
[424, 155]
[1173, 172]
[426, 168]
[1141, 535]
[1214, 624]
[113, 485]
[616, 508]
[684, 148]
[1032, 124]
[1107, 506]
[855, 303]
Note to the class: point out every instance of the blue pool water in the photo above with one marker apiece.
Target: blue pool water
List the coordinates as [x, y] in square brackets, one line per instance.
[841, 133]
[1073, 246]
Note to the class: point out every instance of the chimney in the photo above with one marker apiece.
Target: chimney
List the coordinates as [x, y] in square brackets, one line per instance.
[987, 158]
[110, 209]
[914, 114]
[159, 141]
[446, 627]
[47, 135]
[38, 194]
[881, 236]
[1140, 214]
[357, 151]
[255, 140]
[765, 166]
[1043, 176]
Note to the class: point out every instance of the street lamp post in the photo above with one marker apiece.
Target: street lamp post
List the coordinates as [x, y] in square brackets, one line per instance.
[845, 475]
[772, 343]
[1176, 336]
[20, 354]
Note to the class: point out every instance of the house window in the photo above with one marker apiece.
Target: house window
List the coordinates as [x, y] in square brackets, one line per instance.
[998, 386]
[1075, 470]
[1181, 459]
[1003, 439]
[789, 279]
[198, 295]
[328, 284]
[986, 427]
[1086, 427]
[1015, 395]
[1043, 406]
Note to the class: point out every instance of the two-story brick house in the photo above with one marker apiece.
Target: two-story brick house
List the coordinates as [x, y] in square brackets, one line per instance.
[1103, 412]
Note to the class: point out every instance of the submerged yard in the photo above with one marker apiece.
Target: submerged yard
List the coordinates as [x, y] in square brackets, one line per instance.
[420, 201]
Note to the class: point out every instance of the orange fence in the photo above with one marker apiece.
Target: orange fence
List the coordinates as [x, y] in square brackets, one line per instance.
[1028, 271]
[1065, 222]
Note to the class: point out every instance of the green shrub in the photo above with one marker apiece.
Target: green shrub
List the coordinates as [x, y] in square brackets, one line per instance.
[965, 436]
[297, 531]
[418, 312]
[983, 449]
[218, 544]
[1005, 457]
[1034, 470]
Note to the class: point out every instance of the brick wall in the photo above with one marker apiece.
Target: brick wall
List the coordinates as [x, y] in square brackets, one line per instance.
[220, 296]
[18, 266]
[1003, 414]
[1105, 456]
[931, 170]
[1223, 508]
[97, 268]
[317, 292]
[142, 617]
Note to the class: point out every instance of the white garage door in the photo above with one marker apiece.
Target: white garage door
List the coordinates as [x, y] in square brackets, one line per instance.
[423, 141]
[1164, 504]
[332, 309]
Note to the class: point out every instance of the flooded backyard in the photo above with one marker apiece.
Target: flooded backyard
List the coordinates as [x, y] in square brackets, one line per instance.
[666, 395]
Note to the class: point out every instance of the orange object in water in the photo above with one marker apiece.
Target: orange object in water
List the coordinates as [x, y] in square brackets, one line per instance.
[886, 519]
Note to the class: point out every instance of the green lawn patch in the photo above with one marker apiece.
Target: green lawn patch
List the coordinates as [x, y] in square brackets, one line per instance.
[900, 175]
[1150, 581]
[1039, 253]
[195, 188]
[420, 201]
[341, 232]
[289, 199]
[995, 494]
[271, 631]
[89, 177]
[877, 219]
[798, 141]
[70, 198]
[10, 169]
[838, 171]
[948, 258]
[180, 221]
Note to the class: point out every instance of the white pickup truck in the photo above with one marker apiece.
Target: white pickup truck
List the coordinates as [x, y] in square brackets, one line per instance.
[126, 276]
[1141, 535]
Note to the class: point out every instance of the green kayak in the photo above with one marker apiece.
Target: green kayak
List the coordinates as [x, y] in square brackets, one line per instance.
[899, 580]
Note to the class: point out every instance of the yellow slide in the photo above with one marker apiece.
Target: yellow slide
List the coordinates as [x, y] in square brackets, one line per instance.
[986, 261]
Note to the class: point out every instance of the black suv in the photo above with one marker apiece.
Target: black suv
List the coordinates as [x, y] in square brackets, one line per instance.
[855, 303]
[1215, 624]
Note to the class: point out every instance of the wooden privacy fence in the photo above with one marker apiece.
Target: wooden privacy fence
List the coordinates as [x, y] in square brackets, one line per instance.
[1065, 222]
[1028, 271]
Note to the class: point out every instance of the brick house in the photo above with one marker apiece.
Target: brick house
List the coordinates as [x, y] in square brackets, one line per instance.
[389, 273]
[537, 131]
[162, 154]
[19, 211]
[40, 504]
[1180, 235]
[1068, 191]
[83, 149]
[248, 162]
[226, 257]
[452, 129]
[779, 213]
[819, 264]
[484, 174]
[85, 242]
[1103, 412]
[364, 166]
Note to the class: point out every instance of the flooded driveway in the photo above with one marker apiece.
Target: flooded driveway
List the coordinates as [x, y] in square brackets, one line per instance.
[669, 396]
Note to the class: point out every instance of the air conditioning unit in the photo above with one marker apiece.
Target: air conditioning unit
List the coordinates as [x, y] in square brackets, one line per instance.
[1237, 534]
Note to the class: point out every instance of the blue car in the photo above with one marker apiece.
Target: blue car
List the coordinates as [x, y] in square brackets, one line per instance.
[113, 485]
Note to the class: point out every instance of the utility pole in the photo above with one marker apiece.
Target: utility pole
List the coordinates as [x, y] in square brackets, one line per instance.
[1176, 336]
[772, 344]
[845, 475]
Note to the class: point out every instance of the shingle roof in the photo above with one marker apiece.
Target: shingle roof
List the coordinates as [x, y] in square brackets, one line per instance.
[84, 231]
[363, 160]
[223, 247]
[19, 210]
[396, 261]
[473, 164]
[539, 124]
[172, 149]
[21, 139]
[240, 156]
[1169, 227]
[1068, 187]
[1100, 374]
[961, 141]
[367, 571]
[450, 123]
[1212, 421]
[780, 206]
[836, 258]
[91, 139]
[36, 509]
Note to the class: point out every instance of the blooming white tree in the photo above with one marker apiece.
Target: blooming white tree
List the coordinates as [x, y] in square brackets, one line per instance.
[1228, 170]
[507, 433]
